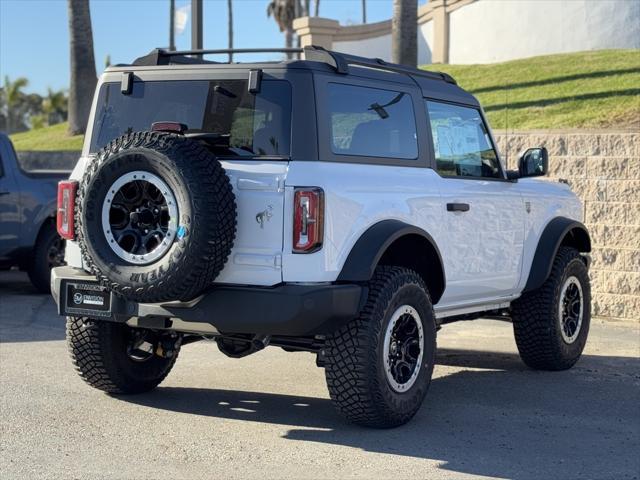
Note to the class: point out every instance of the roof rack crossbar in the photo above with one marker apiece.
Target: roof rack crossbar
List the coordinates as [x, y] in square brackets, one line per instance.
[221, 51]
[341, 62]
[160, 56]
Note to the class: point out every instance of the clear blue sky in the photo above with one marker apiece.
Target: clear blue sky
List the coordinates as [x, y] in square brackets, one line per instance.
[34, 33]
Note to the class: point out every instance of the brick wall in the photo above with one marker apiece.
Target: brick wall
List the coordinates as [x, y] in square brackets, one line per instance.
[603, 168]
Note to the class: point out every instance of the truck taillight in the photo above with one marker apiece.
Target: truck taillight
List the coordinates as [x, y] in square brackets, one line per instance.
[308, 219]
[66, 208]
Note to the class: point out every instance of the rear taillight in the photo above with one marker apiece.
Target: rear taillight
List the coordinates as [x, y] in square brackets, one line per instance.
[308, 219]
[66, 208]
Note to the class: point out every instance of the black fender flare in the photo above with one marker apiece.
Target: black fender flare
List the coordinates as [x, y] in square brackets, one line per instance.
[372, 244]
[552, 237]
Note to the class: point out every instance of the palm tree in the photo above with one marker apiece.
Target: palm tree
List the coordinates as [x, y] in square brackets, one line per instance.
[284, 11]
[404, 32]
[13, 94]
[364, 11]
[54, 106]
[317, 8]
[230, 27]
[83, 65]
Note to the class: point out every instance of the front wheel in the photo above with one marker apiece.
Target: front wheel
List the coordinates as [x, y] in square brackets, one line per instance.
[378, 367]
[551, 324]
[116, 358]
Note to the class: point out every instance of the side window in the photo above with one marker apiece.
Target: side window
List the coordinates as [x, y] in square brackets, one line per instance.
[461, 142]
[372, 122]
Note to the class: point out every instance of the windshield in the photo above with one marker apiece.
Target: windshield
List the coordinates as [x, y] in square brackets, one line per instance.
[258, 124]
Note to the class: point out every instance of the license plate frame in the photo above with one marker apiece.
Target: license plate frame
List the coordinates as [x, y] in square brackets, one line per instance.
[85, 298]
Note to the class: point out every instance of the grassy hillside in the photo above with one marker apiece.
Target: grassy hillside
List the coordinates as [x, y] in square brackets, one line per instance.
[47, 138]
[577, 90]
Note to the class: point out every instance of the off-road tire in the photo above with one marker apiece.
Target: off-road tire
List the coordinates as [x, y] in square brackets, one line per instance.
[99, 353]
[536, 322]
[354, 367]
[206, 210]
[40, 263]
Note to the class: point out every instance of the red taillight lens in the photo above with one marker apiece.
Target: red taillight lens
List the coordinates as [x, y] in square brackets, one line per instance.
[308, 219]
[66, 208]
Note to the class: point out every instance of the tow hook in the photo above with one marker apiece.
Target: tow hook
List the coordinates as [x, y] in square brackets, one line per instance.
[145, 344]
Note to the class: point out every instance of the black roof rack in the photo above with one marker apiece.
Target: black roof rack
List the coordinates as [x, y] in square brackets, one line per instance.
[339, 61]
[160, 56]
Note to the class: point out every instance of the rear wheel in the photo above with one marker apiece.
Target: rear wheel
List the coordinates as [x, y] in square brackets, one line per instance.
[47, 253]
[379, 366]
[116, 358]
[551, 324]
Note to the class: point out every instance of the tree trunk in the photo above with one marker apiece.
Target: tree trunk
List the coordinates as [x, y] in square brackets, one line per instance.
[288, 40]
[172, 24]
[317, 8]
[364, 11]
[404, 32]
[83, 66]
[230, 27]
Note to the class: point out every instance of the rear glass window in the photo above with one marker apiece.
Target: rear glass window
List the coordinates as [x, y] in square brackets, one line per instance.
[372, 122]
[258, 124]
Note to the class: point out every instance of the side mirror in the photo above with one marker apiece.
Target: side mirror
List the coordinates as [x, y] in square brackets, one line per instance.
[534, 162]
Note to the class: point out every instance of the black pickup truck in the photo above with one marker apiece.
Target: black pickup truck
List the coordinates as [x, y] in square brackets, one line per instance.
[28, 236]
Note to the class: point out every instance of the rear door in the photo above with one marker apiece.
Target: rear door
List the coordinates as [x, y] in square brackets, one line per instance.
[254, 147]
[484, 212]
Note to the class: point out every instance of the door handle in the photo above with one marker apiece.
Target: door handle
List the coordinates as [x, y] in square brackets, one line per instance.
[458, 207]
[5, 193]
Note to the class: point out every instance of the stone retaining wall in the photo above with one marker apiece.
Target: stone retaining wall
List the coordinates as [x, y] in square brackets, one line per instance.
[603, 168]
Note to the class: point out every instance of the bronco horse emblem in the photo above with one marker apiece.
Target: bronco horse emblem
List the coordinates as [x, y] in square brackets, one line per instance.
[264, 216]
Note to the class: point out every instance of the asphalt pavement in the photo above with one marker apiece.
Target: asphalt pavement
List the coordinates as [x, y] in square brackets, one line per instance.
[269, 416]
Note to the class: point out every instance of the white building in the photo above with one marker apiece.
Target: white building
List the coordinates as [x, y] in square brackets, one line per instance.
[487, 31]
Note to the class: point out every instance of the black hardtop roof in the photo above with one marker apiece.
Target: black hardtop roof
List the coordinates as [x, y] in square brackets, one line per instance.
[433, 84]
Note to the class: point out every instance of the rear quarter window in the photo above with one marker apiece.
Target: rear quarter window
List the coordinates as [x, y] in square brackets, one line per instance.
[372, 122]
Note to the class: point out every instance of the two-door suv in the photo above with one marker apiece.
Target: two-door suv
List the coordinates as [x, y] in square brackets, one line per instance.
[338, 205]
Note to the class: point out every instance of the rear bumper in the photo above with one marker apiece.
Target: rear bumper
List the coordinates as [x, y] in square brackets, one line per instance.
[287, 309]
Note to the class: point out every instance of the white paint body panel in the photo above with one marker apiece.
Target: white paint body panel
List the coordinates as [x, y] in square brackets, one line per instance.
[487, 251]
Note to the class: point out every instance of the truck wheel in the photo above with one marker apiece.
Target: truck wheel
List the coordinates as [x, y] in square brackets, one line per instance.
[108, 356]
[551, 324]
[156, 217]
[379, 366]
[47, 253]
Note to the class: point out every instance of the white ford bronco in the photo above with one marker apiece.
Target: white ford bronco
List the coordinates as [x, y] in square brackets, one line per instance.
[338, 205]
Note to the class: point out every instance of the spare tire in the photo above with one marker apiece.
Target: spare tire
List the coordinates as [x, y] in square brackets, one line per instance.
[155, 217]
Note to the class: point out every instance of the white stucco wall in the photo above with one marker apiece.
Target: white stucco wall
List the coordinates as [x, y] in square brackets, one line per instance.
[425, 41]
[378, 47]
[498, 30]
